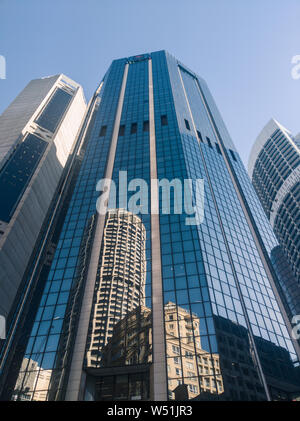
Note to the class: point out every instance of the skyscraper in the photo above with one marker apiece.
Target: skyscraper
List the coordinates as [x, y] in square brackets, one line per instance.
[229, 337]
[274, 167]
[37, 136]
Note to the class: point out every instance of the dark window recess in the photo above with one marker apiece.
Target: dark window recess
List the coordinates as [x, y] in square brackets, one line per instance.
[17, 172]
[146, 126]
[103, 131]
[52, 113]
[187, 124]
[209, 142]
[232, 154]
[122, 130]
[218, 149]
[164, 120]
[199, 136]
[133, 128]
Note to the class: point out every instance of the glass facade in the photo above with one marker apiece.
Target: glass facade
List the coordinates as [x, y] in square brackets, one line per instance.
[287, 227]
[17, 172]
[52, 114]
[225, 334]
[291, 290]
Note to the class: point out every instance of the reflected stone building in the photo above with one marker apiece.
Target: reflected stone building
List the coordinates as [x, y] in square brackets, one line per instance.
[192, 371]
[36, 380]
[131, 341]
[125, 371]
[160, 307]
[131, 346]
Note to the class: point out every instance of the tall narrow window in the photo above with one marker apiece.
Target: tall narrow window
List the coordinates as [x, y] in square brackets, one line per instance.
[103, 131]
[199, 136]
[17, 172]
[133, 128]
[233, 155]
[53, 112]
[146, 126]
[187, 124]
[164, 120]
[122, 130]
[218, 149]
[209, 142]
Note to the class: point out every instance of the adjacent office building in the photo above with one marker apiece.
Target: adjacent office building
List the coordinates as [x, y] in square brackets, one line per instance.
[38, 132]
[274, 167]
[200, 317]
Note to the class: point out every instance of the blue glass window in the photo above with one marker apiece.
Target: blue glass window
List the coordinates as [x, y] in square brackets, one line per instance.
[103, 131]
[54, 110]
[187, 124]
[133, 128]
[16, 173]
[122, 130]
[164, 120]
[199, 136]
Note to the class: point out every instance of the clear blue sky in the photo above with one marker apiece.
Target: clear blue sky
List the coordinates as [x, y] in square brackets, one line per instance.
[242, 48]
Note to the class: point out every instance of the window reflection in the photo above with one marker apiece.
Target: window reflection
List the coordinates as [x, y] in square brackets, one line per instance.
[121, 279]
[192, 369]
[33, 383]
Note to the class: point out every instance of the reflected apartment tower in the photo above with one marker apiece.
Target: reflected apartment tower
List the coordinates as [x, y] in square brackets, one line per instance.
[274, 167]
[156, 119]
[120, 285]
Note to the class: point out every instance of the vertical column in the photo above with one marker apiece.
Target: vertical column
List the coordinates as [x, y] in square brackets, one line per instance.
[159, 353]
[76, 383]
